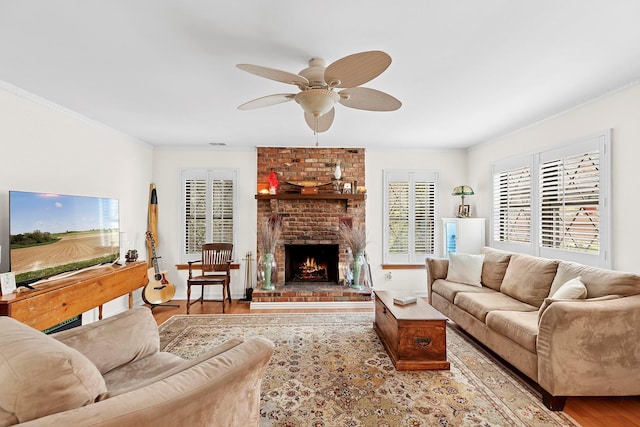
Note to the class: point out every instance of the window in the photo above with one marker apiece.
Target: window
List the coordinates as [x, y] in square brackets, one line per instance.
[566, 190]
[209, 206]
[409, 218]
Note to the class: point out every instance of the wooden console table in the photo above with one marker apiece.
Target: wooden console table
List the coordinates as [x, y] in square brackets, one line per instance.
[56, 300]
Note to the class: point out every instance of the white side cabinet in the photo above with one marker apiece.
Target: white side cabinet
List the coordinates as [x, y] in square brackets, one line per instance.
[463, 235]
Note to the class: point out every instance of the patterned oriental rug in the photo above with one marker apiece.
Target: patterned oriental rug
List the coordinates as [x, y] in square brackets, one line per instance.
[332, 370]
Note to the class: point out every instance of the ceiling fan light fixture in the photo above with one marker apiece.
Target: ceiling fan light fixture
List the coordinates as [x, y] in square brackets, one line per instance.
[317, 101]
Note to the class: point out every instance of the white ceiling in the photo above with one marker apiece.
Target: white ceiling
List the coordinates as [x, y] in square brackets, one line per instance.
[465, 70]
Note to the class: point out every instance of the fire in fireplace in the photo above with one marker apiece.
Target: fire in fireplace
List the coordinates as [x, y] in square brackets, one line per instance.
[311, 263]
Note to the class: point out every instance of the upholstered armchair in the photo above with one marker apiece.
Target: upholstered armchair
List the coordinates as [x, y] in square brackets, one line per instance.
[111, 373]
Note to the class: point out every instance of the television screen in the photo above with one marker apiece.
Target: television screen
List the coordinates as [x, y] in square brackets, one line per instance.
[52, 234]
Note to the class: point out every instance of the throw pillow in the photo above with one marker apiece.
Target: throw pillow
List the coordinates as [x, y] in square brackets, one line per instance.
[465, 268]
[41, 376]
[494, 267]
[572, 289]
[528, 278]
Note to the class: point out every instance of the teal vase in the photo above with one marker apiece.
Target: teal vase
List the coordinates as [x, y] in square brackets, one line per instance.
[267, 266]
[358, 263]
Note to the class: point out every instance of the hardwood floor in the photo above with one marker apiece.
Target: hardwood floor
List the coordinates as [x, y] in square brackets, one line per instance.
[588, 411]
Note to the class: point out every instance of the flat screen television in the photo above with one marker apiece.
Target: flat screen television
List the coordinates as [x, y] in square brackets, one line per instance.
[52, 234]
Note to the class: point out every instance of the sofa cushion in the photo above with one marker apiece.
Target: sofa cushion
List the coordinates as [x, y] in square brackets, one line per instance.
[465, 268]
[40, 376]
[135, 337]
[494, 267]
[520, 327]
[599, 281]
[449, 290]
[480, 304]
[529, 278]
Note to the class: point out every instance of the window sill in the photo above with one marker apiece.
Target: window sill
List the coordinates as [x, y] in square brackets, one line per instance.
[403, 266]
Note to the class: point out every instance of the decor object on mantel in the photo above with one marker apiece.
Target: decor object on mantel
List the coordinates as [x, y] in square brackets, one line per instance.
[462, 191]
[356, 238]
[317, 84]
[308, 187]
[273, 182]
[268, 234]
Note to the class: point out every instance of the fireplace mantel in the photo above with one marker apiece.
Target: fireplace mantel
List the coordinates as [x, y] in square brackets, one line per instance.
[320, 196]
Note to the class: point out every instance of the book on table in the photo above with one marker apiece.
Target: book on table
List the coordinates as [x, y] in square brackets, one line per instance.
[404, 299]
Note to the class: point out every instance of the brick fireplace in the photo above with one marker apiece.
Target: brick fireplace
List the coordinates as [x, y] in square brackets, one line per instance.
[311, 221]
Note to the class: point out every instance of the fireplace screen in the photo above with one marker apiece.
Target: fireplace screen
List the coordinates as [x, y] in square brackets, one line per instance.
[311, 263]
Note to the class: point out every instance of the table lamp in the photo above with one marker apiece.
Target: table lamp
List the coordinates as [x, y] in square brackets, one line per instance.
[462, 190]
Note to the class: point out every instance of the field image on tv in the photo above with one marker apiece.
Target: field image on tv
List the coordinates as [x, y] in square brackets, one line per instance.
[52, 234]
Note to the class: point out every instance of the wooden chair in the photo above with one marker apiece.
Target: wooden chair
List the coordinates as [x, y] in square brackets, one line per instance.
[216, 270]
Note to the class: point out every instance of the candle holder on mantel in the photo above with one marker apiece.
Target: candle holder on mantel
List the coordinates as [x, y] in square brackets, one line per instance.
[337, 175]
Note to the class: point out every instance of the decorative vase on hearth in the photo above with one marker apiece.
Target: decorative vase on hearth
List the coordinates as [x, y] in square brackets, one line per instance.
[268, 267]
[358, 273]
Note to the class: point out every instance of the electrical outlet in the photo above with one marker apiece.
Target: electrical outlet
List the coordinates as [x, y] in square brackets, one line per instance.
[387, 276]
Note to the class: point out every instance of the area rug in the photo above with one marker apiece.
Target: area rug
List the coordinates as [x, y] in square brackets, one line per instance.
[332, 370]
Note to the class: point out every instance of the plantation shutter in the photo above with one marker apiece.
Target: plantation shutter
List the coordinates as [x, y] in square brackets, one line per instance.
[410, 212]
[195, 224]
[222, 210]
[424, 217]
[569, 202]
[512, 205]
[210, 200]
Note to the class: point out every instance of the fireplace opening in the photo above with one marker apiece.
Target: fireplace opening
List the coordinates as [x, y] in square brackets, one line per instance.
[311, 263]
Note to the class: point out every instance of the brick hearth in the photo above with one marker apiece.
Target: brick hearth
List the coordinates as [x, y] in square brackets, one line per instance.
[311, 292]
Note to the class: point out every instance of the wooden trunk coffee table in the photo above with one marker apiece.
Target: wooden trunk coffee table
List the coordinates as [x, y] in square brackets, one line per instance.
[414, 335]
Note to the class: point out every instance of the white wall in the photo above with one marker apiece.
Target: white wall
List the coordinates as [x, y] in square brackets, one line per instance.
[620, 112]
[45, 149]
[451, 166]
[167, 165]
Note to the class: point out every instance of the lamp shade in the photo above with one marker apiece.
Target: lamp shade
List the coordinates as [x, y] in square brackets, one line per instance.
[462, 190]
[317, 101]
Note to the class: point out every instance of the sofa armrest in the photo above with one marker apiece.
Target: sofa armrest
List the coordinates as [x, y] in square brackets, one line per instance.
[223, 390]
[436, 269]
[589, 348]
[117, 340]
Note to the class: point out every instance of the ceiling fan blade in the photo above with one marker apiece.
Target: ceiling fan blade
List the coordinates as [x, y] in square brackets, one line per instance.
[322, 123]
[363, 98]
[266, 101]
[273, 74]
[356, 69]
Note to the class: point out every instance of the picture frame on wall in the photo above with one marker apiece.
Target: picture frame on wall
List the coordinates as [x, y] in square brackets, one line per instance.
[464, 211]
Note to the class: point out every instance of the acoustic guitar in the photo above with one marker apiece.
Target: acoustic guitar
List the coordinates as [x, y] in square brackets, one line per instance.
[159, 289]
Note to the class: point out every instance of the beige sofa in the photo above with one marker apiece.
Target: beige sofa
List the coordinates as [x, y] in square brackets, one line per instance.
[111, 373]
[580, 339]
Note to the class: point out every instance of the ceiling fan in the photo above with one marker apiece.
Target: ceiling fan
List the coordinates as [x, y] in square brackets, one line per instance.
[318, 85]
